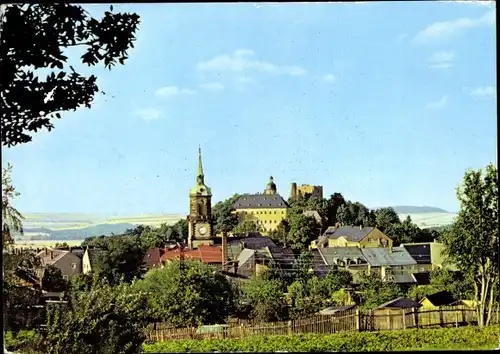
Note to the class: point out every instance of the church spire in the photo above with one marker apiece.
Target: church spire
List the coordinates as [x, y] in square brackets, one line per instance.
[200, 165]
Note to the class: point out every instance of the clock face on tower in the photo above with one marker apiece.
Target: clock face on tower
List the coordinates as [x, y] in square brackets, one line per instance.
[203, 230]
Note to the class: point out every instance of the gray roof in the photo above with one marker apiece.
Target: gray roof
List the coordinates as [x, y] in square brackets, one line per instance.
[404, 278]
[245, 255]
[282, 255]
[52, 255]
[335, 309]
[400, 303]
[381, 256]
[330, 254]
[421, 253]
[351, 233]
[250, 201]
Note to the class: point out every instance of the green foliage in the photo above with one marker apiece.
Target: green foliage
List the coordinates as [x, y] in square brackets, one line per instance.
[53, 280]
[105, 320]
[303, 268]
[403, 340]
[308, 298]
[266, 299]
[11, 217]
[303, 229]
[197, 294]
[355, 214]
[280, 234]
[337, 279]
[385, 218]
[121, 257]
[453, 282]
[34, 38]
[418, 292]
[223, 217]
[27, 341]
[472, 242]
[374, 292]
[246, 225]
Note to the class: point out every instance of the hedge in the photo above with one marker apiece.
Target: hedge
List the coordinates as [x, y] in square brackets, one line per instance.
[410, 339]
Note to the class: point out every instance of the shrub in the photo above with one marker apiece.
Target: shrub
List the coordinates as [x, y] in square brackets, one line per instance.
[442, 338]
[27, 341]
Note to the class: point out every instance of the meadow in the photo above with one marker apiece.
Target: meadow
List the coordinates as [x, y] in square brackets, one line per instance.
[425, 220]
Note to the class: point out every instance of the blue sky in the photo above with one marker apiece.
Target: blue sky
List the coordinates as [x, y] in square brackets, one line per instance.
[386, 103]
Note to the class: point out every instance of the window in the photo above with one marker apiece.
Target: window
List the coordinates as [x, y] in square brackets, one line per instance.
[275, 211]
[73, 265]
[65, 277]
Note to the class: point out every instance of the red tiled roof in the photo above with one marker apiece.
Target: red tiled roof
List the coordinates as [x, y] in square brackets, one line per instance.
[152, 257]
[206, 254]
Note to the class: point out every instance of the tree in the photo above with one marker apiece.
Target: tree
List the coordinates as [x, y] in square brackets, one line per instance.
[374, 291]
[280, 234]
[195, 295]
[11, 218]
[337, 279]
[303, 229]
[452, 281]
[105, 320]
[471, 243]
[355, 214]
[33, 39]
[385, 218]
[121, 259]
[223, 216]
[266, 300]
[53, 280]
[335, 201]
[246, 225]
[303, 267]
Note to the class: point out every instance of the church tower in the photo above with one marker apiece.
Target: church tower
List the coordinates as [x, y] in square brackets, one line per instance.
[200, 210]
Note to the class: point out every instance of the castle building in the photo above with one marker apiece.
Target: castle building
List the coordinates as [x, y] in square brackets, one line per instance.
[267, 209]
[306, 191]
[200, 230]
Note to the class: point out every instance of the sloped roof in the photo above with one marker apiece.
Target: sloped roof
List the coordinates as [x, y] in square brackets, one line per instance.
[245, 256]
[422, 278]
[204, 253]
[253, 201]
[381, 256]
[335, 309]
[330, 254]
[282, 255]
[50, 256]
[441, 298]
[320, 267]
[421, 253]
[403, 278]
[350, 233]
[400, 303]
[152, 257]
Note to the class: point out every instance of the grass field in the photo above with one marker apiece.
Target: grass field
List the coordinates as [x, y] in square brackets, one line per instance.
[424, 220]
[44, 243]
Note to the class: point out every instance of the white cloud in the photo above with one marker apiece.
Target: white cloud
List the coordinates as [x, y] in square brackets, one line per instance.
[212, 86]
[171, 91]
[441, 103]
[446, 29]
[243, 61]
[484, 91]
[148, 114]
[441, 60]
[329, 78]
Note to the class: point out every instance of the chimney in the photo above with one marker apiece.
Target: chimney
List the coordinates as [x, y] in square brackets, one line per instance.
[337, 225]
[46, 251]
[224, 251]
[293, 191]
[51, 254]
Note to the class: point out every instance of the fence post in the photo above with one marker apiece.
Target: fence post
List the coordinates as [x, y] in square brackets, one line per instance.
[290, 328]
[441, 317]
[404, 318]
[415, 316]
[358, 320]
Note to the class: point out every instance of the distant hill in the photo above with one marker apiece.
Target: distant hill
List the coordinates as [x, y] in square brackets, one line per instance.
[81, 234]
[405, 209]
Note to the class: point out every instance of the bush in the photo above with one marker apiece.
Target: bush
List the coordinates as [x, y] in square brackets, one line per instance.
[442, 338]
[27, 341]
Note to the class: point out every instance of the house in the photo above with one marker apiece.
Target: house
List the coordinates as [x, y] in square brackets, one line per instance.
[89, 260]
[394, 264]
[68, 263]
[204, 253]
[352, 236]
[152, 258]
[336, 310]
[429, 255]
[267, 209]
[436, 300]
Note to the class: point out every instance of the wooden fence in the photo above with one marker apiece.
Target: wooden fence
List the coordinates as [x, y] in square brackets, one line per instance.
[345, 321]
